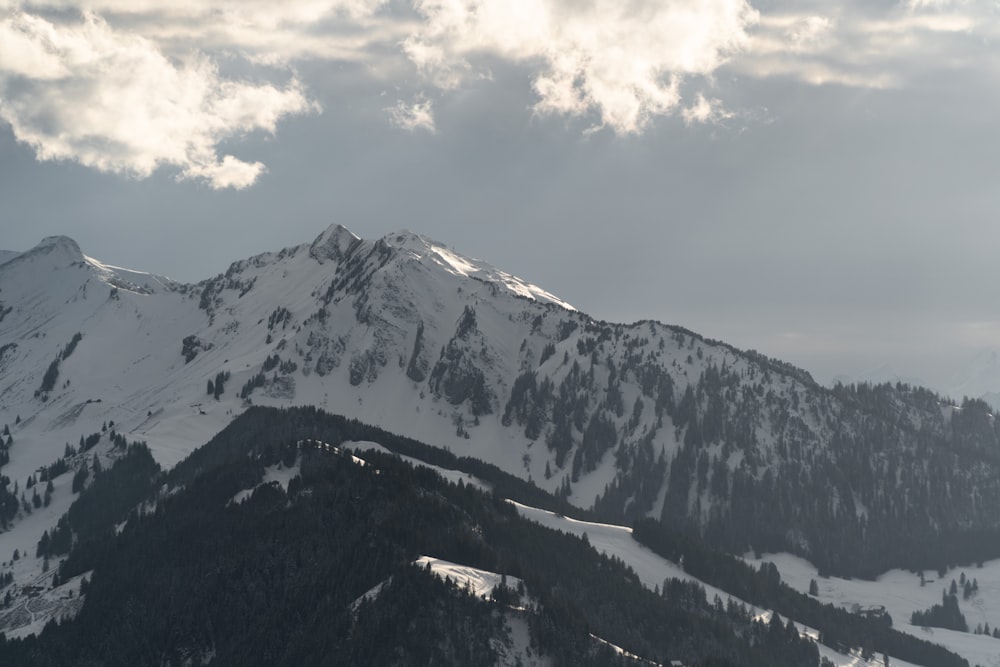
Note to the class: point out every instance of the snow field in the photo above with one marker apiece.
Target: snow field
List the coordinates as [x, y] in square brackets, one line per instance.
[276, 474]
[652, 569]
[901, 594]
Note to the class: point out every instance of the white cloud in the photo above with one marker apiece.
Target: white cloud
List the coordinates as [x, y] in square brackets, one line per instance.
[623, 59]
[874, 45]
[263, 31]
[264, 13]
[113, 101]
[808, 32]
[418, 115]
[134, 85]
[706, 111]
[934, 4]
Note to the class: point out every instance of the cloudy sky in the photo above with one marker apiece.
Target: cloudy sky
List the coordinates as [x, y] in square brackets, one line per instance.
[817, 181]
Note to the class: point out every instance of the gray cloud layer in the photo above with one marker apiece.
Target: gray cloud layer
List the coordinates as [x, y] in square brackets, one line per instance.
[128, 86]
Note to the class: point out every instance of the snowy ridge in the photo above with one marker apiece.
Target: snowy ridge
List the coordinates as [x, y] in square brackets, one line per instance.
[131, 366]
[516, 650]
[423, 248]
[128, 279]
[333, 244]
[62, 246]
[403, 333]
[138, 322]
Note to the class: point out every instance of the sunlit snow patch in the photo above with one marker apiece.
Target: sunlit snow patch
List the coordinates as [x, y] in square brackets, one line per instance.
[131, 280]
[276, 474]
[480, 582]
[421, 247]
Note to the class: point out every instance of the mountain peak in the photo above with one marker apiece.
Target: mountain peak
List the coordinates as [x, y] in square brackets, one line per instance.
[408, 240]
[429, 251]
[60, 249]
[333, 244]
[60, 243]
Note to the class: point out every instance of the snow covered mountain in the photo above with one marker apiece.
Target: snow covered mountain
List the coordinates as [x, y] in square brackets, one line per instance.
[635, 420]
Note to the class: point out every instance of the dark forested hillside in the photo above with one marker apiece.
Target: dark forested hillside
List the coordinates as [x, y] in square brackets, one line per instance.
[858, 480]
[764, 588]
[279, 577]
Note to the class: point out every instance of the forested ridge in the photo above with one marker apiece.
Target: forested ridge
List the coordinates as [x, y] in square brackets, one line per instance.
[838, 628]
[271, 580]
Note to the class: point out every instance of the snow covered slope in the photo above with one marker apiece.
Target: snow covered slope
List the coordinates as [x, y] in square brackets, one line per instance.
[353, 323]
[652, 570]
[902, 593]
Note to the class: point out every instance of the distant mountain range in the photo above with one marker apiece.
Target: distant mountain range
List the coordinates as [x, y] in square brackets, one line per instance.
[881, 374]
[977, 378]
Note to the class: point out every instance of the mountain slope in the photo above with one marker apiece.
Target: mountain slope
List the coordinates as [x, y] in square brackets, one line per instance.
[264, 550]
[635, 420]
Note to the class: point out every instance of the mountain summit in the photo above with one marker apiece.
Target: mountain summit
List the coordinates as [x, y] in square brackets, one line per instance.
[638, 420]
[333, 244]
[337, 243]
[64, 246]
